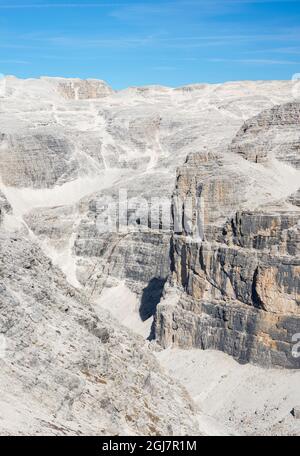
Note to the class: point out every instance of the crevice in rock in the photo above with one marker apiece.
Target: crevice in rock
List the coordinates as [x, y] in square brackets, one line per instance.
[257, 302]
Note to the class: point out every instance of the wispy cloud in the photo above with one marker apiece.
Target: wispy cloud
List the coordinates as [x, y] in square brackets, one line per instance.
[15, 46]
[225, 40]
[291, 50]
[58, 5]
[17, 62]
[121, 42]
[158, 5]
[164, 68]
[254, 61]
[126, 10]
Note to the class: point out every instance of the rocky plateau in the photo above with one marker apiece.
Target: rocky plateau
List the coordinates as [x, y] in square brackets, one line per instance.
[101, 328]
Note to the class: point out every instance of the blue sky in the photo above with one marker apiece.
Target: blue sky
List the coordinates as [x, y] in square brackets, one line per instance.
[151, 42]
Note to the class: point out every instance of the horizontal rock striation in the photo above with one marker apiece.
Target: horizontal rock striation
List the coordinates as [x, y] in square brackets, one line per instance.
[243, 332]
[79, 89]
[78, 141]
[67, 367]
[35, 161]
[273, 131]
[238, 280]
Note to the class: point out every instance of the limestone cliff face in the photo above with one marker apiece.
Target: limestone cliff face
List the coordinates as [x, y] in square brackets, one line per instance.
[65, 144]
[38, 161]
[273, 131]
[239, 286]
[78, 89]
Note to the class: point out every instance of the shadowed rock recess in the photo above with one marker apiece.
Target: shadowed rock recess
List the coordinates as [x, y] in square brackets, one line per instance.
[67, 146]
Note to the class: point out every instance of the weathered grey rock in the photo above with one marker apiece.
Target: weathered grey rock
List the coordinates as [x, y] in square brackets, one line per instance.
[5, 207]
[78, 89]
[243, 332]
[137, 257]
[35, 161]
[296, 413]
[66, 144]
[295, 198]
[84, 138]
[239, 284]
[78, 372]
[273, 131]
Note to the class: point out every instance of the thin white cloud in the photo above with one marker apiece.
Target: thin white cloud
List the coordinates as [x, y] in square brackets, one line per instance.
[164, 68]
[255, 61]
[15, 46]
[97, 5]
[120, 42]
[291, 50]
[18, 62]
[157, 5]
[187, 42]
[58, 5]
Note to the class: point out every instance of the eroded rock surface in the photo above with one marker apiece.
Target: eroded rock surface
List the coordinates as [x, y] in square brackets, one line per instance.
[72, 372]
[233, 285]
[239, 285]
[67, 142]
[5, 207]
